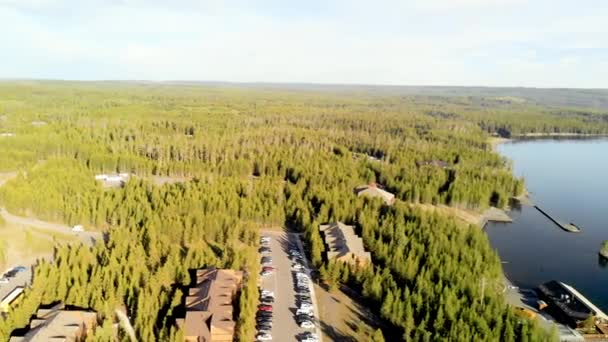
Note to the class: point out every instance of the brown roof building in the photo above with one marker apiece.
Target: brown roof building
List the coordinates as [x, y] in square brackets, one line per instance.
[56, 325]
[209, 306]
[373, 190]
[343, 244]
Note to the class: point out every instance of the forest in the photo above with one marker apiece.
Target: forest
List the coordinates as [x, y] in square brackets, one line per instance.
[252, 158]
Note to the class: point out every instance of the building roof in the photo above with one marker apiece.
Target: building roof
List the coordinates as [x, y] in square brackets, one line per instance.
[374, 190]
[341, 240]
[209, 303]
[16, 292]
[58, 325]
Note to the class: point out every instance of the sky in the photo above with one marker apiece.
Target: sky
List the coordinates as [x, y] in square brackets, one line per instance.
[534, 43]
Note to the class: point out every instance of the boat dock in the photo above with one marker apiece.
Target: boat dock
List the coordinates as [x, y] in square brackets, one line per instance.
[495, 215]
[570, 227]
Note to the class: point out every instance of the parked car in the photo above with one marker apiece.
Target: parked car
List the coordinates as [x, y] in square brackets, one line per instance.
[307, 324]
[309, 339]
[264, 326]
[267, 293]
[19, 269]
[265, 273]
[304, 312]
[267, 299]
[264, 249]
[264, 337]
[268, 268]
[306, 306]
[263, 307]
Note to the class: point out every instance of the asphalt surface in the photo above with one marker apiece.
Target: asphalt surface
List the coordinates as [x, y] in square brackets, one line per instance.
[281, 282]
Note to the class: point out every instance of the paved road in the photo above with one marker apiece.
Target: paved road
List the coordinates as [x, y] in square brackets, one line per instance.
[284, 326]
[86, 237]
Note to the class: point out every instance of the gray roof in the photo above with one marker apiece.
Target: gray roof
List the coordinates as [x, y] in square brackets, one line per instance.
[341, 240]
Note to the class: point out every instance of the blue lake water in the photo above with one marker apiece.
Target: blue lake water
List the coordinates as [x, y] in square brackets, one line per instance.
[569, 180]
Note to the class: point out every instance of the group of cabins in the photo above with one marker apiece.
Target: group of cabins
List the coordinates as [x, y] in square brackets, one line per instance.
[210, 306]
[210, 314]
[56, 324]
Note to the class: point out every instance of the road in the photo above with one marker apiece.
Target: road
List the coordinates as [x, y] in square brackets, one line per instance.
[86, 237]
[281, 282]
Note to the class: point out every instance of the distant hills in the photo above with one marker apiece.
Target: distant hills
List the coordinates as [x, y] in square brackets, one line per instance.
[554, 97]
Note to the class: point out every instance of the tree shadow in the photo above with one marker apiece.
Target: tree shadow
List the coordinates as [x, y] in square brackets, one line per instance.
[336, 334]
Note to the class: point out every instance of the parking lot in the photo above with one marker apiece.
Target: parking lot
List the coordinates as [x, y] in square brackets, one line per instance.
[282, 282]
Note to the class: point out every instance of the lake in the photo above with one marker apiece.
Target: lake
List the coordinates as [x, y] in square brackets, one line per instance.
[569, 180]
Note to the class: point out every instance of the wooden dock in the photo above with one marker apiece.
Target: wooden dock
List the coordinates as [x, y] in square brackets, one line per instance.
[570, 227]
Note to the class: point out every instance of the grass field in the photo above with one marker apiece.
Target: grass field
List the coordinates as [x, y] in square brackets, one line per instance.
[22, 245]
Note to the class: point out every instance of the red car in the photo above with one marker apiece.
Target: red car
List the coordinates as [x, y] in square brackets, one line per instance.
[267, 268]
[264, 307]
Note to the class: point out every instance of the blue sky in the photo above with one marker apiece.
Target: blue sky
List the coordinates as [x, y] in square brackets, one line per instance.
[536, 43]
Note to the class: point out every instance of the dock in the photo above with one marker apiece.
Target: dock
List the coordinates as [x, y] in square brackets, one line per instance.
[570, 227]
[495, 215]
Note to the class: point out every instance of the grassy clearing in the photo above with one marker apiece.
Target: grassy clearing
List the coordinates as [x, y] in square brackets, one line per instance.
[342, 318]
[23, 245]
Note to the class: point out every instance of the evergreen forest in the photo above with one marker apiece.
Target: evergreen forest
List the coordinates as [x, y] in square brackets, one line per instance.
[212, 165]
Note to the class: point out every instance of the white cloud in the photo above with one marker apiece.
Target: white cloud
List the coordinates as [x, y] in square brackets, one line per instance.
[392, 42]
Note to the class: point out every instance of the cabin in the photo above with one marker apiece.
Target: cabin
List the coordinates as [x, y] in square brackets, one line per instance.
[210, 306]
[343, 244]
[57, 324]
[374, 190]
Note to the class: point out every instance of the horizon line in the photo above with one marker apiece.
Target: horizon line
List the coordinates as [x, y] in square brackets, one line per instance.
[275, 83]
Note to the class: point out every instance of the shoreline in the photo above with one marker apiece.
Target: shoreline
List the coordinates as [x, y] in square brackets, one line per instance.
[494, 141]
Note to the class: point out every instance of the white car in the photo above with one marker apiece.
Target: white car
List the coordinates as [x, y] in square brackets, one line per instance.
[78, 228]
[304, 312]
[264, 337]
[304, 306]
[4, 281]
[309, 339]
[267, 293]
[307, 325]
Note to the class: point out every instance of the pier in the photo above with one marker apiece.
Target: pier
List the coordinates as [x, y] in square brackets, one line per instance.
[495, 215]
[570, 227]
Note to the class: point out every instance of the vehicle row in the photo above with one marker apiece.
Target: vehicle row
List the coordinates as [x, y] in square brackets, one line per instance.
[304, 307]
[264, 314]
[11, 273]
